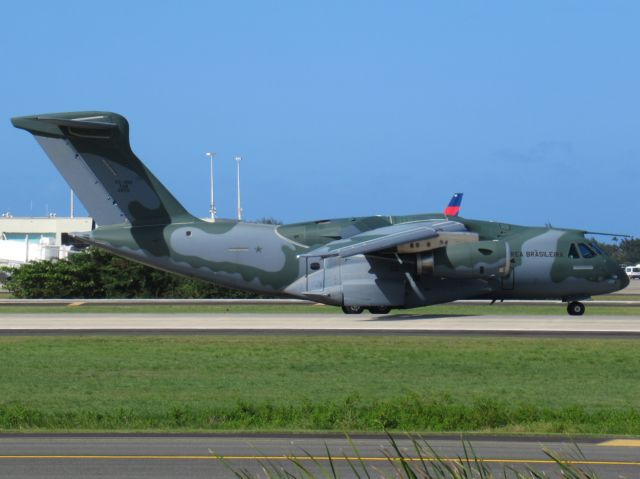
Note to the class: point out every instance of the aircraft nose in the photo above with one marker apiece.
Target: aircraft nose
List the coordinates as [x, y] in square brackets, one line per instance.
[616, 276]
[616, 272]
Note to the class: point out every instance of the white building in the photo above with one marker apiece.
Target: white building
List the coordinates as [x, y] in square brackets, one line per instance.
[28, 239]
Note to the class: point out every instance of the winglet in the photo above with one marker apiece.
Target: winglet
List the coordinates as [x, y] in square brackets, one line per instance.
[454, 205]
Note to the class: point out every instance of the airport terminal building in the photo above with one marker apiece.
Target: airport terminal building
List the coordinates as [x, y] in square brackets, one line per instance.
[27, 239]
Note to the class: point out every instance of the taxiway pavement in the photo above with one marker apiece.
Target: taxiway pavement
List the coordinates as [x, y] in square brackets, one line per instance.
[170, 456]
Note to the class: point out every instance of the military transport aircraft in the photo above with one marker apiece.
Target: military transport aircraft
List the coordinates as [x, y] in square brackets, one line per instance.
[372, 262]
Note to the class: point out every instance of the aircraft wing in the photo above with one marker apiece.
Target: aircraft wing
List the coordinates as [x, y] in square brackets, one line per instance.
[399, 237]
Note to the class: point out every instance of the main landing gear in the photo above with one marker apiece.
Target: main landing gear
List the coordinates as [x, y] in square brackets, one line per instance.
[352, 309]
[360, 309]
[575, 308]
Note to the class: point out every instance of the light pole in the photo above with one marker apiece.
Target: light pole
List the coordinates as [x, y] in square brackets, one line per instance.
[212, 205]
[238, 158]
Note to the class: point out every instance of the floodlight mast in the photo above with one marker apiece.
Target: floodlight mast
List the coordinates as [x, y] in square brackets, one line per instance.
[212, 204]
[238, 159]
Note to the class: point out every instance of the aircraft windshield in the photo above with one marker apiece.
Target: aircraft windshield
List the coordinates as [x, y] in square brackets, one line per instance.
[585, 251]
[596, 248]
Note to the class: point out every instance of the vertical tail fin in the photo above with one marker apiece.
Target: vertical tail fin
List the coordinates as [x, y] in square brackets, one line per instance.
[92, 152]
[453, 209]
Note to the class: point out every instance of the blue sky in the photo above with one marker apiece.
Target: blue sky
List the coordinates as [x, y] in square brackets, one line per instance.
[343, 108]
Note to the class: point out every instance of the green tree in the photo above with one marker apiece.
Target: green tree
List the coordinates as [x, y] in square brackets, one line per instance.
[76, 277]
[95, 273]
[625, 251]
[629, 251]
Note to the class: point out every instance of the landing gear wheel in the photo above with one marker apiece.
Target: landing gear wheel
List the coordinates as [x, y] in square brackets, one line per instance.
[352, 309]
[575, 308]
[379, 309]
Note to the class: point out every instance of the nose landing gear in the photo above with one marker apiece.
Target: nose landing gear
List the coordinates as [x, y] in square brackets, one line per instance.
[379, 309]
[575, 308]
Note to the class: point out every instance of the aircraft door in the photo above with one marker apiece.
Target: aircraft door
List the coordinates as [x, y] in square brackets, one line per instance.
[315, 273]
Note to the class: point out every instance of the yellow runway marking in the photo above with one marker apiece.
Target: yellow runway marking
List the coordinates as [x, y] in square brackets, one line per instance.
[76, 303]
[621, 443]
[319, 458]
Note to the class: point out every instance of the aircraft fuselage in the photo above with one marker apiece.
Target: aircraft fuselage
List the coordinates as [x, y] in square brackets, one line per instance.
[267, 259]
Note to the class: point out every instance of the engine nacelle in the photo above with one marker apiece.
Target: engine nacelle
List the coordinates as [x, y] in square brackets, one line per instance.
[482, 259]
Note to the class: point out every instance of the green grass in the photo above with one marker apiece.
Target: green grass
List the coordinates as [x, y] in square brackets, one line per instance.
[445, 309]
[320, 383]
[618, 297]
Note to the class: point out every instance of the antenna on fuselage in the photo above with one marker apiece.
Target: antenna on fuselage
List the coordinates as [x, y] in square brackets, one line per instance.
[239, 208]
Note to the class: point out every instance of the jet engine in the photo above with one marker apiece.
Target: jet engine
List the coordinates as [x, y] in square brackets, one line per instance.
[478, 260]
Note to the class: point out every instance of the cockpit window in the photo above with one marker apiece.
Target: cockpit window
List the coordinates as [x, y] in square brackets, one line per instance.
[573, 252]
[585, 251]
[596, 248]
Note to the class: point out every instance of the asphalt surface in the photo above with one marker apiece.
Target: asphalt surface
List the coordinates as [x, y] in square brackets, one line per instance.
[327, 324]
[169, 456]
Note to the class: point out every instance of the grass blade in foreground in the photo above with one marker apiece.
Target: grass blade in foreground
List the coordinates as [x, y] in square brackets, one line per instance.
[425, 465]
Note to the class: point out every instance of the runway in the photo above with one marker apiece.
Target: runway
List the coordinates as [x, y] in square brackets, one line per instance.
[197, 456]
[327, 324]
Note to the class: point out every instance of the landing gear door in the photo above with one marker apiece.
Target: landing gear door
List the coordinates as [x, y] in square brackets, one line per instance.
[315, 273]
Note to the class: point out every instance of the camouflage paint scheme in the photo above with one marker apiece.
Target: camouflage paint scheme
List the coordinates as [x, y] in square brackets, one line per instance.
[374, 261]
